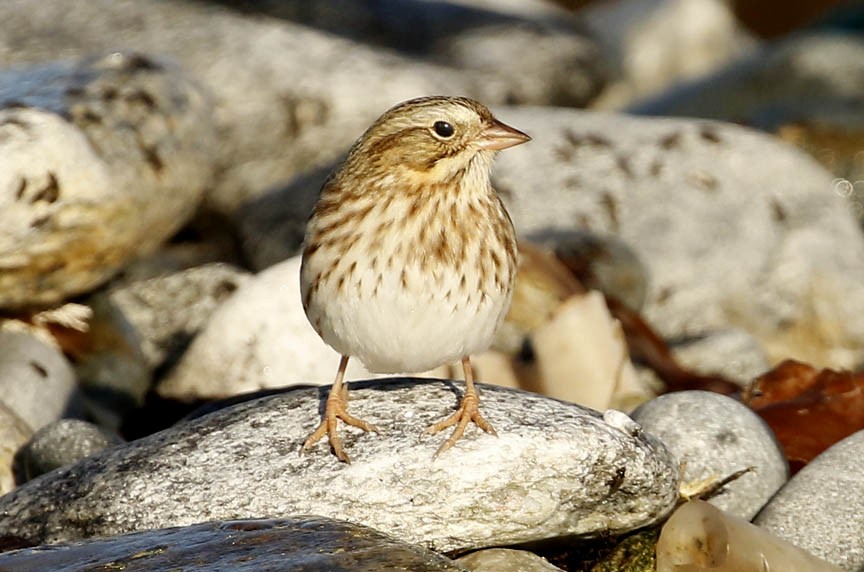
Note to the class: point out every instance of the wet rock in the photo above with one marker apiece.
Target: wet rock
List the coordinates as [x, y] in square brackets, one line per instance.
[100, 161]
[257, 339]
[820, 509]
[62, 443]
[723, 244]
[36, 380]
[497, 559]
[555, 469]
[714, 436]
[307, 544]
[14, 433]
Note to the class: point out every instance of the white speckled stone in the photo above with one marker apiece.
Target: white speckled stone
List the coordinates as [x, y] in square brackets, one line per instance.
[555, 469]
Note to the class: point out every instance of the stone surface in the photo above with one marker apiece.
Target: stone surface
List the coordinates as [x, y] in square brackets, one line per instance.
[805, 89]
[820, 508]
[555, 469]
[100, 161]
[166, 312]
[297, 544]
[259, 338]
[112, 371]
[714, 436]
[726, 242]
[534, 46]
[604, 263]
[500, 559]
[655, 43]
[732, 353]
[14, 433]
[808, 77]
[62, 443]
[279, 116]
[36, 380]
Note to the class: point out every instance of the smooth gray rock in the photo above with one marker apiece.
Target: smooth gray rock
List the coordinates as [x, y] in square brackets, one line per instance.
[713, 436]
[555, 469]
[297, 544]
[14, 433]
[501, 559]
[101, 160]
[36, 380]
[726, 242]
[166, 312]
[820, 508]
[62, 443]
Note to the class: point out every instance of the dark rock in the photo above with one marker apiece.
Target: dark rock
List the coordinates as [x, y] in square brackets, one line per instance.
[299, 544]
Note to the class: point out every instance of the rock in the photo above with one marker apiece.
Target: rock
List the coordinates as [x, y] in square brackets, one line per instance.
[732, 353]
[820, 509]
[62, 443]
[259, 338]
[308, 544]
[498, 559]
[555, 469]
[604, 263]
[804, 89]
[36, 380]
[714, 436]
[660, 42]
[167, 311]
[14, 432]
[277, 119]
[100, 161]
[111, 367]
[723, 245]
[535, 47]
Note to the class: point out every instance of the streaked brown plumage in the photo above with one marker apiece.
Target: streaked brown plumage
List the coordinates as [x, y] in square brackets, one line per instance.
[410, 256]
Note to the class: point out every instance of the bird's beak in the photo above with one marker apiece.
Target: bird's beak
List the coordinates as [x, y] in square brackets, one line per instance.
[500, 136]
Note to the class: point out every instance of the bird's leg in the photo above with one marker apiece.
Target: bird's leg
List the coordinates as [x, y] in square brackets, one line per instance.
[337, 408]
[468, 411]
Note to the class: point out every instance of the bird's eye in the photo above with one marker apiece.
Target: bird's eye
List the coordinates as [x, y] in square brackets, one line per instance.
[443, 129]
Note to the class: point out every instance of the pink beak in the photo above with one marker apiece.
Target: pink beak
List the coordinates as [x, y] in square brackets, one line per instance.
[501, 136]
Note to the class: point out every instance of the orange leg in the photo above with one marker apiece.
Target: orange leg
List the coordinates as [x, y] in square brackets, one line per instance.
[468, 411]
[335, 409]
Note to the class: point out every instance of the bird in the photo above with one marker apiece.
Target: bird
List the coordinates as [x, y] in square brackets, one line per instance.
[410, 256]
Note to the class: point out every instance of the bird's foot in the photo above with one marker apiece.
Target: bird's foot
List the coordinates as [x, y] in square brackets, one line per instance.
[335, 409]
[468, 411]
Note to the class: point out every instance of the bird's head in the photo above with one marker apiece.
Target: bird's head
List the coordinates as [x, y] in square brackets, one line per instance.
[432, 140]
